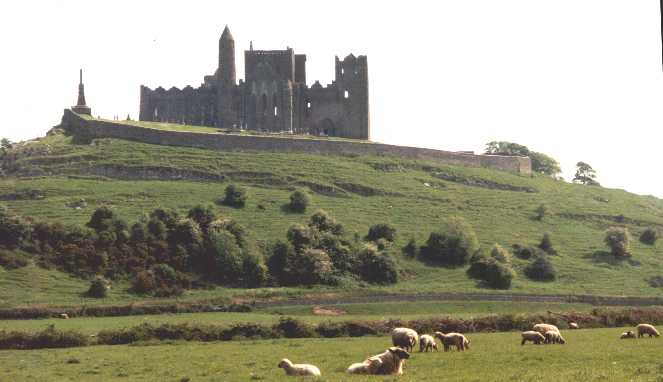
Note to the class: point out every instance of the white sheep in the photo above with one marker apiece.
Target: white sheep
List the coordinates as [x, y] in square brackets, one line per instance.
[543, 328]
[391, 361]
[553, 337]
[63, 316]
[647, 329]
[627, 335]
[369, 366]
[405, 338]
[427, 343]
[453, 339]
[532, 336]
[573, 325]
[298, 368]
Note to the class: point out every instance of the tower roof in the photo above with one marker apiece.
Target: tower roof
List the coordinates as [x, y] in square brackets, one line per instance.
[226, 35]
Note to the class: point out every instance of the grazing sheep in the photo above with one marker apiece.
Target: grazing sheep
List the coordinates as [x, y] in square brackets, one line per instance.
[453, 339]
[573, 325]
[626, 335]
[63, 316]
[427, 343]
[532, 336]
[543, 328]
[298, 369]
[405, 338]
[647, 329]
[391, 361]
[369, 366]
[553, 337]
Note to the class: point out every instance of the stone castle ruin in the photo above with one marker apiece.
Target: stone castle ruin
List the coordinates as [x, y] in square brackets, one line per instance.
[274, 96]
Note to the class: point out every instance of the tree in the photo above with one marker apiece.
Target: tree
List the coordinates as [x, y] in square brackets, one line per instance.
[453, 246]
[500, 254]
[492, 272]
[299, 201]
[98, 287]
[541, 269]
[543, 164]
[410, 249]
[377, 267]
[541, 211]
[649, 236]
[5, 145]
[203, 215]
[323, 222]
[585, 174]
[235, 196]
[619, 241]
[227, 257]
[506, 148]
[381, 231]
[101, 219]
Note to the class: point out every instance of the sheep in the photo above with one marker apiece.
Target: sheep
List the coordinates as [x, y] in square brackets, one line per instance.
[298, 369]
[543, 328]
[453, 339]
[391, 361]
[369, 366]
[63, 316]
[573, 325]
[553, 337]
[405, 338]
[647, 329]
[627, 335]
[427, 343]
[532, 336]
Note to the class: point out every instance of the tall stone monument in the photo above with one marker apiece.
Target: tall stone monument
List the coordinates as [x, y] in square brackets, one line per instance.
[81, 107]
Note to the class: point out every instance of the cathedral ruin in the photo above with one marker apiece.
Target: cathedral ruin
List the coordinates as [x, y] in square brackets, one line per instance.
[273, 97]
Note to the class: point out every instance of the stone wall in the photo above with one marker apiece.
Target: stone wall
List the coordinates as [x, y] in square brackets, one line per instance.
[90, 129]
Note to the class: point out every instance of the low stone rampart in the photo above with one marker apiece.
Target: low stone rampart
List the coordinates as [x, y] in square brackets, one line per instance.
[91, 128]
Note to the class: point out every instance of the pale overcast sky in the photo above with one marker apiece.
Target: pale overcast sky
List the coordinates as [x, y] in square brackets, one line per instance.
[575, 79]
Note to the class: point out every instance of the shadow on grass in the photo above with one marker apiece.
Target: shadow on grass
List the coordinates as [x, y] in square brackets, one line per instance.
[285, 208]
[605, 257]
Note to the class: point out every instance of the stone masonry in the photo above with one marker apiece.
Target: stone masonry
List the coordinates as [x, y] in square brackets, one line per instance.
[274, 96]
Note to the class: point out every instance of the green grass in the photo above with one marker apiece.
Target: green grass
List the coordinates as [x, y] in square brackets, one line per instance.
[361, 312]
[577, 219]
[589, 355]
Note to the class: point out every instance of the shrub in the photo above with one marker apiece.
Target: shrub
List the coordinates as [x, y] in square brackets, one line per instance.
[300, 236]
[168, 217]
[323, 222]
[541, 212]
[13, 230]
[299, 201]
[101, 219]
[48, 338]
[203, 215]
[500, 254]
[186, 232]
[618, 239]
[381, 231]
[254, 271]
[235, 196]
[311, 266]
[649, 236]
[98, 288]
[453, 246]
[381, 244]
[226, 256]
[546, 244]
[655, 281]
[526, 252]
[236, 229]
[278, 260]
[377, 267]
[341, 254]
[12, 260]
[491, 272]
[410, 249]
[292, 328]
[541, 269]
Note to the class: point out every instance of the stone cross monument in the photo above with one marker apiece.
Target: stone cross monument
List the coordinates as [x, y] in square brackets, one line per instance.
[81, 107]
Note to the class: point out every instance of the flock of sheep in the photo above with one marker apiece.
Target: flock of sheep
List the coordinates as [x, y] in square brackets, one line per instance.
[391, 361]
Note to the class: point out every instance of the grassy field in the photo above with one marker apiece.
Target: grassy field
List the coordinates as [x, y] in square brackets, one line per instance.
[361, 312]
[589, 355]
[358, 191]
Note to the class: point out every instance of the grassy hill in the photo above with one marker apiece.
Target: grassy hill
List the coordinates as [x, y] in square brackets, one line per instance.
[48, 178]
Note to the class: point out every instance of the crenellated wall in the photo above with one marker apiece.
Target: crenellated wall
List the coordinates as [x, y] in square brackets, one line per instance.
[90, 129]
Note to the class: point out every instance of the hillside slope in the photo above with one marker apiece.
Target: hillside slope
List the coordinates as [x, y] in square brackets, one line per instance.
[47, 179]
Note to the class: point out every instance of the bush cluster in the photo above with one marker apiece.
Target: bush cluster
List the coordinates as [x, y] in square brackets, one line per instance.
[299, 201]
[493, 271]
[453, 246]
[541, 269]
[317, 253]
[649, 236]
[234, 196]
[618, 239]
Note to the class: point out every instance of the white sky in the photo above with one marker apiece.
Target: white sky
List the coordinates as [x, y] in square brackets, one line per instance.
[575, 79]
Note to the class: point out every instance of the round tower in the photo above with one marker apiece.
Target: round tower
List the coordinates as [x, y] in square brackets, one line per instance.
[226, 80]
